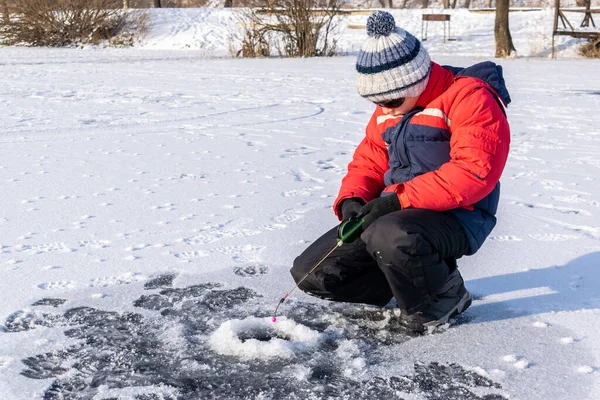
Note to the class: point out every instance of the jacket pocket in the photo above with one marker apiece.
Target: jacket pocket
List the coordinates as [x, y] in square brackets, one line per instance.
[475, 150]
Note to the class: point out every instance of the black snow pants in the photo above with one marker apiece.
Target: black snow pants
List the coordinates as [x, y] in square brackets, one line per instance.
[407, 255]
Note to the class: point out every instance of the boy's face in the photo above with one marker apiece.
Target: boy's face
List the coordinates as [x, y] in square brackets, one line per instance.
[408, 104]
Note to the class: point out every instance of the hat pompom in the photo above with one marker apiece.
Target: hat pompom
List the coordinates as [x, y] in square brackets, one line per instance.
[380, 23]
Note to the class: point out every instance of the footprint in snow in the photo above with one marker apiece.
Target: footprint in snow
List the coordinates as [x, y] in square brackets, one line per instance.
[506, 238]
[57, 285]
[249, 271]
[552, 237]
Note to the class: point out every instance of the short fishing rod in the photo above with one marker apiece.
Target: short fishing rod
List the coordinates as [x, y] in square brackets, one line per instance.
[348, 231]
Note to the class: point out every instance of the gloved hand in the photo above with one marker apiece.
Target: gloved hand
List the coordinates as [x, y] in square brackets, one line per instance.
[351, 207]
[379, 207]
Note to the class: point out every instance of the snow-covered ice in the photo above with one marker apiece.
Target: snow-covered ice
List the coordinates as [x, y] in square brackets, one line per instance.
[153, 203]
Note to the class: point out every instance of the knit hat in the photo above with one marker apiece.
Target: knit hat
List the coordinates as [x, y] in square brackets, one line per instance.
[392, 63]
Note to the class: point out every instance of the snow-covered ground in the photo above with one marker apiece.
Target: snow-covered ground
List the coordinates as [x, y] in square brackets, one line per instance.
[154, 201]
[212, 32]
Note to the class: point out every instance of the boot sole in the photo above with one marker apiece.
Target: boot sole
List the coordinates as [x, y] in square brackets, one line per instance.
[460, 307]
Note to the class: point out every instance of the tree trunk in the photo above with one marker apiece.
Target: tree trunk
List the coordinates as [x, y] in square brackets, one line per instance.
[425, 3]
[125, 4]
[504, 43]
[403, 4]
[157, 4]
[446, 3]
[4, 10]
[228, 4]
[454, 4]
[467, 4]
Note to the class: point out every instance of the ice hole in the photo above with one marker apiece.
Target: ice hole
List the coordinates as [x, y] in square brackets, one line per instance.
[260, 338]
[262, 334]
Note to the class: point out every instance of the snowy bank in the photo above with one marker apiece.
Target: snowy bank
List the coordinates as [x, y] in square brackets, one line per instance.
[212, 32]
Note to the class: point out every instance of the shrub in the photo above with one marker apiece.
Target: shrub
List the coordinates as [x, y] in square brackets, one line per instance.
[256, 39]
[305, 26]
[68, 22]
[591, 49]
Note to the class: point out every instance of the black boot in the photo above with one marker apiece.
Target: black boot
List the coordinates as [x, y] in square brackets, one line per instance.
[451, 300]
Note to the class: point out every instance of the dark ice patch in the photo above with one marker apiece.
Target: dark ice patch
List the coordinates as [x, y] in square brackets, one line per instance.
[168, 355]
[49, 302]
[160, 281]
[250, 270]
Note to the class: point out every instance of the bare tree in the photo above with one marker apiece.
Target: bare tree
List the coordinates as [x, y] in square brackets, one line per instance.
[5, 12]
[504, 43]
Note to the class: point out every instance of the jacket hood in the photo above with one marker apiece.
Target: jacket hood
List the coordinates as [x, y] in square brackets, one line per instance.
[490, 73]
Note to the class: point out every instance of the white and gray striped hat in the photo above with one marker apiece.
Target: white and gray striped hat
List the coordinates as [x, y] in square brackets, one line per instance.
[392, 63]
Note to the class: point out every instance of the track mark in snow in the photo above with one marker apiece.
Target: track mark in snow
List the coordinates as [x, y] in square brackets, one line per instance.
[290, 215]
[574, 199]
[57, 285]
[506, 238]
[591, 231]
[306, 191]
[586, 369]
[299, 151]
[575, 282]
[528, 174]
[124, 279]
[563, 210]
[540, 324]
[303, 176]
[559, 186]
[329, 165]
[242, 254]
[189, 256]
[44, 248]
[552, 237]
[567, 340]
[95, 244]
[229, 229]
[517, 361]
[5, 362]
[251, 270]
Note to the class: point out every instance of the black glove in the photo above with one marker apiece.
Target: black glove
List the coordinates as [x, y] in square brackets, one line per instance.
[379, 207]
[351, 207]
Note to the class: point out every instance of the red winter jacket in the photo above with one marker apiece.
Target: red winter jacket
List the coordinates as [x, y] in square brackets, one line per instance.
[479, 146]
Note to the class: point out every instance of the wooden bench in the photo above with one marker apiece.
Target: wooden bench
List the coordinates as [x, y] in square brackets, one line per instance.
[435, 17]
